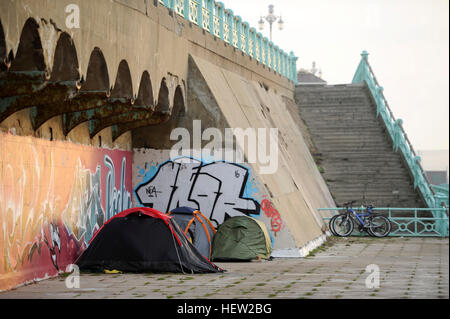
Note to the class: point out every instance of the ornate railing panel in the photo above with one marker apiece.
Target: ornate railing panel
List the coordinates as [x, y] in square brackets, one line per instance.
[193, 11]
[179, 6]
[218, 21]
[213, 17]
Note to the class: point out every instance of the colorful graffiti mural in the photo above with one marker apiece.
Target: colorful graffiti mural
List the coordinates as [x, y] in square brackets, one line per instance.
[218, 189]
[53, 197]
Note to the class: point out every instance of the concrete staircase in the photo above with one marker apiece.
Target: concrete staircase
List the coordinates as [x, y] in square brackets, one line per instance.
[352, 147]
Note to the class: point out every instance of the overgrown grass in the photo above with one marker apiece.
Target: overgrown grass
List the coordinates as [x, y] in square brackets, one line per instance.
[322, 248]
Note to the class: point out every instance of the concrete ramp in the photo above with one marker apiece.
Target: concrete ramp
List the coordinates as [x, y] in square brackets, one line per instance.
[296, 188]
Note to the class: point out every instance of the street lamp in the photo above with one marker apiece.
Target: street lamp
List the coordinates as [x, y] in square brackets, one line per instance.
[271, 18]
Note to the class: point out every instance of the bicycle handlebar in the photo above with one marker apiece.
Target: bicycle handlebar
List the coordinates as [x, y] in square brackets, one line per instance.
[349, 203]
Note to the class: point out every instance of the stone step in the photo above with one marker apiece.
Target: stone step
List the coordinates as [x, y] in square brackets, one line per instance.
[353, 146]
[341, 139]
[356, 174]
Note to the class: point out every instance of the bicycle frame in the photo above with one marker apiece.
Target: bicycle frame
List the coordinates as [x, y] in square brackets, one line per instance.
[360, 217]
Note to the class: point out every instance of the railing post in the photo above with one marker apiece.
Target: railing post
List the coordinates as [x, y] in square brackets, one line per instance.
[259, 42]
[210, 7]
[289, 67]
[272, 55]
[277, 59]
[380, 90]
[219, 7]
[246, 36]
[200, 13]
[187, 14]
[252, 42]
[397, 133]
[293, 64]
[281, 62]
[270, 49]
[265, 51]
[364, 60]
[415, 220]
[361, 71]
[416, 162]
[230, 25]
[239, 32]
[234, 32]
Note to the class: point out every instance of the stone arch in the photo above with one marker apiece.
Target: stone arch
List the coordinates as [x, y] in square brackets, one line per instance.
[163, 98]
[123, 87]
[158, 136]
[97, 77]
[145, 94]
[178, 110]
[3, 48]
[65, 65]
[30, 54]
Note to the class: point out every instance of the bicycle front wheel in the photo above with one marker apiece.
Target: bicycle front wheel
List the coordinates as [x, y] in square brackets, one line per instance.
[342, 225]
[379, 226]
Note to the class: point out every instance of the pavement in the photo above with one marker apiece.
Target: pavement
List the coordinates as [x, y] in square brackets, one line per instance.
[346, 268]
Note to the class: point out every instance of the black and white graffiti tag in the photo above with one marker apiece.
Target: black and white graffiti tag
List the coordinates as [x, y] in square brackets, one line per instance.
[216, 189]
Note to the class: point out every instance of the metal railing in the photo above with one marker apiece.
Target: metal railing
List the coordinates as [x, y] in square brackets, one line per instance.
[400, 139]
[406, 222]
[213, 17]
[441, 194]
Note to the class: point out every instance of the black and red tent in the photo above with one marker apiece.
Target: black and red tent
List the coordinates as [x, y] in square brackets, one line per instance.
[143, 240]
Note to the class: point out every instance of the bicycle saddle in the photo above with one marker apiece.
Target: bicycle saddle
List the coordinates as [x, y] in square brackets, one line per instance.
[349, 203]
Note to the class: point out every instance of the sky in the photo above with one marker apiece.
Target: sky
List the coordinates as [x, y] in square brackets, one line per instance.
[407, 41]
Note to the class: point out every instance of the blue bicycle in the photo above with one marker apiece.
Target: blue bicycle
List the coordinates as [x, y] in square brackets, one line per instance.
[374, 224]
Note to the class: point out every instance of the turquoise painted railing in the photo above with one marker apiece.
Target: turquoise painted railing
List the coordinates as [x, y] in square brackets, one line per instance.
[401, 143]
[441, 193]
[407, 226]
[213, 17]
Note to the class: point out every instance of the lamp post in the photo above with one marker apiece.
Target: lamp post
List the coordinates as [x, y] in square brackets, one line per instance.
[271, 18]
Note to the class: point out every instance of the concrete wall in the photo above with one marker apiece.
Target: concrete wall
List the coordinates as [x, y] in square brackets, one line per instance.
[53, 197]
[218, 189]
[296, 189]
[285, 200]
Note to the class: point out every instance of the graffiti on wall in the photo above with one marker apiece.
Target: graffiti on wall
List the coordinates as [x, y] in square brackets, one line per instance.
[217, 189]
[53, 197]
[276, 222]
[117, 200]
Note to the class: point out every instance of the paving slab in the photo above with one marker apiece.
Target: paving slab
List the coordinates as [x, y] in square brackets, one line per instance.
[408, 268]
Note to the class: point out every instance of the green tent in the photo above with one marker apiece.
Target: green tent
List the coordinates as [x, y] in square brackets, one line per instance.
[241, 238]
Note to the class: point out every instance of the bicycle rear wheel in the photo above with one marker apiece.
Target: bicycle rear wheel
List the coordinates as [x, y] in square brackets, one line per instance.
[379, 226]
[342, 225]
[330, 225]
